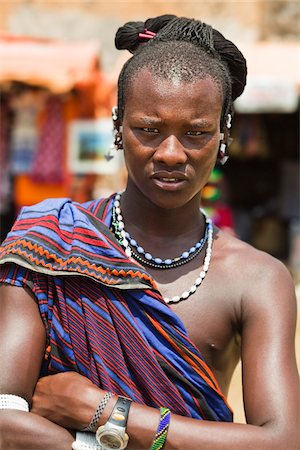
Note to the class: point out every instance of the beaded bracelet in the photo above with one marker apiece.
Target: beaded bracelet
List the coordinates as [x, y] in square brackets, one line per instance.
[162, 430]
[10, 401]
[93, 425]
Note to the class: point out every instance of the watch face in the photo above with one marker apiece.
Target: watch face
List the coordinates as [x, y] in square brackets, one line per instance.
[108, 440]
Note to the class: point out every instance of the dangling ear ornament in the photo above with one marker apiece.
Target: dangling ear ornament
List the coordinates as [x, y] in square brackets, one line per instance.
[222, 154]
[114, 113]
[117, 144]
[223, 146]
[228, 121]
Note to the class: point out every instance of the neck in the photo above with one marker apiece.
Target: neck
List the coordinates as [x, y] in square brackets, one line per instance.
[160, 262]
[144, 218]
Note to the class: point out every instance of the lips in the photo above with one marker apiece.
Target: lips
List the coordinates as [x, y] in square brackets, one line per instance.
[169, 177]
[169, 180]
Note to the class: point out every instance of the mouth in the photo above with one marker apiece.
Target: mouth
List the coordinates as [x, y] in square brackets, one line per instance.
[169, 181]
[172, 176]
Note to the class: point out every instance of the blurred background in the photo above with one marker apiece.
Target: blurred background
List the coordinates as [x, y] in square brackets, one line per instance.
[58, 75]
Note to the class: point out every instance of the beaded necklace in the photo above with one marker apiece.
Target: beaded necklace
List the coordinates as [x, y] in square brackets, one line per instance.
[147, 258]
[122, 236]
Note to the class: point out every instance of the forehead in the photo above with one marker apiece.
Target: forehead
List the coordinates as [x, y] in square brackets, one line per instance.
[148, 92]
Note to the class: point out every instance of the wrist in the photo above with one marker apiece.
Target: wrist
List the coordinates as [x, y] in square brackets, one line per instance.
[91, 404]
[113, 433]
[107, 410]
[142, 425]
[93, 396]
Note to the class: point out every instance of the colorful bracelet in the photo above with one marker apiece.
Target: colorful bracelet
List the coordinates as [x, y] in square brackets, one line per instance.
[162, 430]
[93, 425]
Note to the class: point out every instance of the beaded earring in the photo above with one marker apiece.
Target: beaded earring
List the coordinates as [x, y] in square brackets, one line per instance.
[228, 121]
[117, 143]
[222, 154]
[222, 157]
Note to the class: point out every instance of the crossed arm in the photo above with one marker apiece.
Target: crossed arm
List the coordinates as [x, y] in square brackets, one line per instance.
[68, 401]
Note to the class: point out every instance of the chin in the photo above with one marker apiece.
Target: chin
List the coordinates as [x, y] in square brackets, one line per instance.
[170, 200]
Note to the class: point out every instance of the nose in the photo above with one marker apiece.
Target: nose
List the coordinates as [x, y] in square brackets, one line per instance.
[170, 152]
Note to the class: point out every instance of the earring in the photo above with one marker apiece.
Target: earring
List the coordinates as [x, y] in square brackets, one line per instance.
[117, 144]
[222, 154]
[222, 157]
[114, 113]
[228, 121]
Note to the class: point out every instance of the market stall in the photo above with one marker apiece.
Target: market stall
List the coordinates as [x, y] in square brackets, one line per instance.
[45, 85]
[263, 173]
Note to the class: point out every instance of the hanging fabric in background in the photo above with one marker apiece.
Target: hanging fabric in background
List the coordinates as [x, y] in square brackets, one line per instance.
[49, 162]
[250, 138]
[5, 191]
[24, 132]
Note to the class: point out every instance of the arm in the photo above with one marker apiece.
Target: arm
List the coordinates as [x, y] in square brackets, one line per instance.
[270, 379]
[21, 352]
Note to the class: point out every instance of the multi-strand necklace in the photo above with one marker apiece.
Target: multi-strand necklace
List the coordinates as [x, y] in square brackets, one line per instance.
[146, 258]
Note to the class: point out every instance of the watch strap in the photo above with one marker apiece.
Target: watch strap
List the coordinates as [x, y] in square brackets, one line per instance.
[93, 425]
[120, 412]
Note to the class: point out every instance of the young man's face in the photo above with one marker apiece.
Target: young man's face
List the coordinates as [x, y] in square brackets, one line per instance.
[171, 135]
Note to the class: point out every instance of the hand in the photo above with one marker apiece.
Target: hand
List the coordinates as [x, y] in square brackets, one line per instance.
[67, 398]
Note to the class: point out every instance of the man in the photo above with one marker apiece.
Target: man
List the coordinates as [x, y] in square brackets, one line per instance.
[137, 296]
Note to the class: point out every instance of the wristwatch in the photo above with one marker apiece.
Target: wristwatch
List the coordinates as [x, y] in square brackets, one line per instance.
[112, 435]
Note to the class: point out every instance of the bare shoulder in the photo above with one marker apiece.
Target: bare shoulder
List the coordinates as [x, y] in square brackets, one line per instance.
[254, 260]
[259, 278]
[249, 261]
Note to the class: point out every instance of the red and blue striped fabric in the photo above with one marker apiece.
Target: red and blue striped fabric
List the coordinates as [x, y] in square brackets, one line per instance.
[103, 313]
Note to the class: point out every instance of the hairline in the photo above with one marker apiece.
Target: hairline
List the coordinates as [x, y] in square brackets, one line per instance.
[167, 78]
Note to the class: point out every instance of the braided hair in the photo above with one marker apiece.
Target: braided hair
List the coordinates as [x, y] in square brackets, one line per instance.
[186, 48]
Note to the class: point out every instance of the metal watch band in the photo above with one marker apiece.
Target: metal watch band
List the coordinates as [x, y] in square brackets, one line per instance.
[93, 425]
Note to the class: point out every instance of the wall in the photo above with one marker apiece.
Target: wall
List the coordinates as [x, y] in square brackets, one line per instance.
[238, 20]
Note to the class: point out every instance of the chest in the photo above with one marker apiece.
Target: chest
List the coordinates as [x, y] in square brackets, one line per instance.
[210, 317]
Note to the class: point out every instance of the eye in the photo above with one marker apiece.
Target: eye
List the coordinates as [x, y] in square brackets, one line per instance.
[195, 133]
[150, 130]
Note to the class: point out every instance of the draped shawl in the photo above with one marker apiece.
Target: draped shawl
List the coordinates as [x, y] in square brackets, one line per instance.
[103, 313]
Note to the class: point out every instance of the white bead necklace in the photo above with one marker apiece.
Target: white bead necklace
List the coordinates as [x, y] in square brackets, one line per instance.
[124, 242]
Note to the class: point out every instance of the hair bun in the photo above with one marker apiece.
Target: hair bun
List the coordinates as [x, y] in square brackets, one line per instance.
[157, 23]
[127, 36]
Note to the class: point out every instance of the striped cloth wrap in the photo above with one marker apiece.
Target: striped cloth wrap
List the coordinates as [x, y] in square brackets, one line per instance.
[103, 313]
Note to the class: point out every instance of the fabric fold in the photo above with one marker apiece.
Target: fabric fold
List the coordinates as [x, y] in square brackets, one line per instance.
[60, 237]
[112, 326]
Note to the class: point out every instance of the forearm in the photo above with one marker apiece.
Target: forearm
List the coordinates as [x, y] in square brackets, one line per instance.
[26, 431]
[75, 407]
[192, 434]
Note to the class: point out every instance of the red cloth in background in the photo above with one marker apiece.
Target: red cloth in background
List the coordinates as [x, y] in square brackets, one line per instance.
[49, 162]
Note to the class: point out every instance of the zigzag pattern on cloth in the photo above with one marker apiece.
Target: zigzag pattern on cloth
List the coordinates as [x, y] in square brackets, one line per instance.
[42, 237]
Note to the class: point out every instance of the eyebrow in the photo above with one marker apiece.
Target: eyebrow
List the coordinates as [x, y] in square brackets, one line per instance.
[150, 121]
[200, 123]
